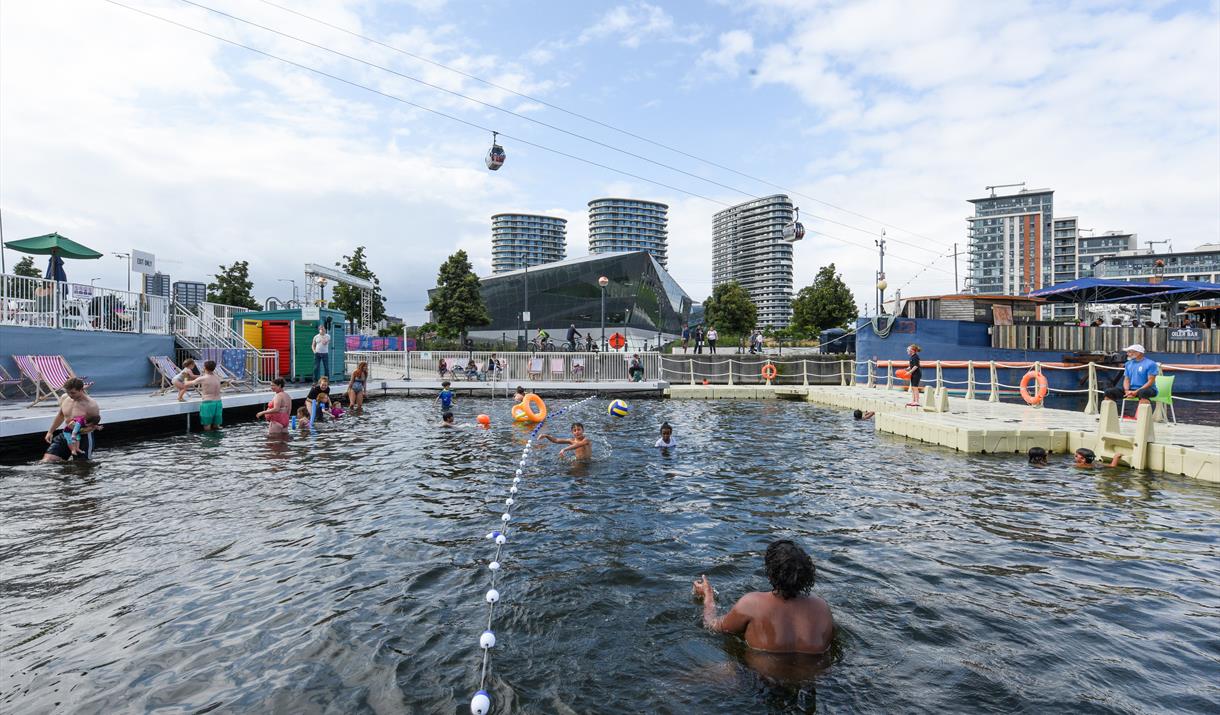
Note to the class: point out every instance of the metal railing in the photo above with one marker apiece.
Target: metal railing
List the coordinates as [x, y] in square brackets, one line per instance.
[202, 337]
[1104, 339]
[744, 370]
[40, 303]
[521, 367]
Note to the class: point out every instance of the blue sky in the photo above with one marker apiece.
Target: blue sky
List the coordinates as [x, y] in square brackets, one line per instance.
[127, 132]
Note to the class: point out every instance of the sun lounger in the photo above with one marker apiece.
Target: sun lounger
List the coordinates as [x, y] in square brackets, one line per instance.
[578, 368]
[48, 373]
[164, 372]
[534, 369]
[557, 369]
[7, 380]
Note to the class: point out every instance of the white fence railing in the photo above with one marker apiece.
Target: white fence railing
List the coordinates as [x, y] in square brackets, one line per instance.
[516, 367]
[40, 303]
[204, 337]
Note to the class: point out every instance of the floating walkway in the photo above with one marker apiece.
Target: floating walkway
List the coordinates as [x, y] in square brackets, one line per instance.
[981, 427]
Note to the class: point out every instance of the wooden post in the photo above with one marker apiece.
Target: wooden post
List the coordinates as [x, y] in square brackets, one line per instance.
[969, 379]
[995, 385]
[1091, 407]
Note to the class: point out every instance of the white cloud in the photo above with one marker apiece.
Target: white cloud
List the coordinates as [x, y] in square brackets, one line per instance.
[725, 60]
[632, 25]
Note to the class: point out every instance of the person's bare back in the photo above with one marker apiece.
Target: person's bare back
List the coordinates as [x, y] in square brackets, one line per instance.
[208, 384]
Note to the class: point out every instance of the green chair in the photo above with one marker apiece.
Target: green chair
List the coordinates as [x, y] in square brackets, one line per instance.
[1164, 395]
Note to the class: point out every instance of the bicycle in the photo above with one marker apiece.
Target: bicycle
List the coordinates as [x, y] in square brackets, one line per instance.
[545, 346]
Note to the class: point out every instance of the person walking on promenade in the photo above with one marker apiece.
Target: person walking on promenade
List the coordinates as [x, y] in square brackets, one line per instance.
[685, 336]
[75, 403]
[321, 353]
[712, 337]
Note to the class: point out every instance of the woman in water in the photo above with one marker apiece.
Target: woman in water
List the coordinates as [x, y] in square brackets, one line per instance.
[355, 388]
[915, 374]
[279, 409]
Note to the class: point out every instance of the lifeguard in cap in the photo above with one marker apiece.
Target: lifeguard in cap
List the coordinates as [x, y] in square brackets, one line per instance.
[1139, 377]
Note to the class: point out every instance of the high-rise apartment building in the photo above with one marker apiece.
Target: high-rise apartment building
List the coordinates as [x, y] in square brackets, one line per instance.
[617, 225]
[525, 240]
[748, 246]
[1010, 242]
[156, 284]
[189, 294]
[1092, 249]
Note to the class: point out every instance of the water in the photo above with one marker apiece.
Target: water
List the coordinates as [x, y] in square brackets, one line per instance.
[344, 573]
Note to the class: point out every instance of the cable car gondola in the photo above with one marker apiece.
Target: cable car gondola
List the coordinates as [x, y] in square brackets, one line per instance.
[794, 231]
[495, 155]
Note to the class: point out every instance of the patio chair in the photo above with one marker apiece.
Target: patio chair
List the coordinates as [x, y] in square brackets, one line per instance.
[578, 368]
[534, 369]
[1164, 395]
[49, 372]
[557, 369]
[164, 372]
[6, 380]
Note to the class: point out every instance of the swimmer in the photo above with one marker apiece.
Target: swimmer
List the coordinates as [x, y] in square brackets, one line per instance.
[303, 418]
[180, 380]
[1037, 457]
[1085, 458]
[278, 409]
[784, 620]
[579, 445]
[862, 415]
[447, 420]
[445, 397]
[520, 394]
[666, 441]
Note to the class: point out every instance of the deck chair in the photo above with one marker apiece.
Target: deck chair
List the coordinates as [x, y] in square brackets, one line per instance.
[578, 368]
[7, 380]
[54, 371]
[534, 369]
[164, 372]
[557, 369]
[228, 381]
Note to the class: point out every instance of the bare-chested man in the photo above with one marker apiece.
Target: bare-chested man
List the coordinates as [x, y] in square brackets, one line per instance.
[211, 410]
[783, 620]
[279, 410]
[72, 405]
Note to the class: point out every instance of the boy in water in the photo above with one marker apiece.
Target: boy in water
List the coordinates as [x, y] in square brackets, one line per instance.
[447, 420]
[211, 410]
[1037, 457]
[666, 440]
[520, 394]
[579, 445]
[1085, 458]
[445, 397]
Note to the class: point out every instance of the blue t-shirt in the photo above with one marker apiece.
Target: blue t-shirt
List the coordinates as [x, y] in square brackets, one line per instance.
[446, 399]
[1140, 371]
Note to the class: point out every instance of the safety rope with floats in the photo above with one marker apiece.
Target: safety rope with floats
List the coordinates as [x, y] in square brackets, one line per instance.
[480, 704]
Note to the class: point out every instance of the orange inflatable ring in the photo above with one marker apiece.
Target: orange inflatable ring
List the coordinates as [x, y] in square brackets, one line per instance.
[769, 372]
[530, 409]
[902, 373]
[1035, 397]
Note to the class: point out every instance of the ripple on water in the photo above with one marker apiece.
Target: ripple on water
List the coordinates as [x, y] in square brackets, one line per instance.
[343, 572]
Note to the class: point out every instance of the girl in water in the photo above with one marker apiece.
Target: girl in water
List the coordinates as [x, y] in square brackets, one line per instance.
[355, 388]
[666, 441]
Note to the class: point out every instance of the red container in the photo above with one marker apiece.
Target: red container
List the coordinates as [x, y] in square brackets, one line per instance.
[277, 336]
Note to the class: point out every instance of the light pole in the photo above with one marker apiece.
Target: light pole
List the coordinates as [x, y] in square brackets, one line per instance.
[127, 257]
[92, 283]
[294, 288]
[881, 284]
[603, 282]
[322, 288]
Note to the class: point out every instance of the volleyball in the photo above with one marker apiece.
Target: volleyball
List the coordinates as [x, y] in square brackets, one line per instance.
[618, 408]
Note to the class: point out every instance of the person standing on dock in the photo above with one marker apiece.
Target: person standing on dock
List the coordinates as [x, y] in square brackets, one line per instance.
[1139, 377]
[321, 353]
[915, 373]
[698, 339]
[712, 337]
[75, 403]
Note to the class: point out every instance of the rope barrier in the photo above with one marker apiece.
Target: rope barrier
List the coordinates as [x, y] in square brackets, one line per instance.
[480, 704]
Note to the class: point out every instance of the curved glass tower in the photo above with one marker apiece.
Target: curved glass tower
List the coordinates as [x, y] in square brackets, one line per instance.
[618, 225]
[521, 240]
[748, 246]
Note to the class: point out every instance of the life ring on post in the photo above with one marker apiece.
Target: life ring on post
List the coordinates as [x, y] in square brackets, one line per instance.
[531, 409]
[1037, 396]
[769, 372]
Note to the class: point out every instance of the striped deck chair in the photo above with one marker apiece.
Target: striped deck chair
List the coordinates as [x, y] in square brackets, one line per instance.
[228, 381]
[164, 372]
[534, 369]
[557, 368]
[54, 371]
[7, 380]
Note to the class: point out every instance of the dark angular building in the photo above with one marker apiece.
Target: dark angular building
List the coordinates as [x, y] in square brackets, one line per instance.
[641, 299]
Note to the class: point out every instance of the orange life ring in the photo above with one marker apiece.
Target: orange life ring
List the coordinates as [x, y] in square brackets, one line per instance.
[530, 409]
[1036, 397]
[769, 372]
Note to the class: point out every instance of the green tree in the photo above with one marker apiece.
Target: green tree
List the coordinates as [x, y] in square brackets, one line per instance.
[457, 304]
[347, 298]
[828, 303]
[730, 310]
[392, 331]
[233, 286]
[25, 267]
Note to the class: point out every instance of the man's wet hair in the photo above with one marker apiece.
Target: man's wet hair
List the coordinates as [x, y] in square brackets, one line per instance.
[209, 365]
[74, 384]
[1037, 455]
[858, 414]
[447, 417]
[1088, 454]
[789, 569]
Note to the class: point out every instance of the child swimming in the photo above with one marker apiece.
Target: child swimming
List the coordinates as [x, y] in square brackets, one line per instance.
[1037, 457]
[666, 440]
[1087, 459]
[578, 445]
[302, 418]
[447, 420]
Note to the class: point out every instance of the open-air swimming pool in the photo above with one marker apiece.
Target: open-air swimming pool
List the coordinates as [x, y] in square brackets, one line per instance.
[345, 572]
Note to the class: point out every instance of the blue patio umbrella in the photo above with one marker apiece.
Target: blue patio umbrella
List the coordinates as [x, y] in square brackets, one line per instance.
[55, 269]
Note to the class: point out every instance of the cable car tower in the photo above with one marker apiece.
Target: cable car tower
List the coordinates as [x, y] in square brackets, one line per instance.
[316, 278]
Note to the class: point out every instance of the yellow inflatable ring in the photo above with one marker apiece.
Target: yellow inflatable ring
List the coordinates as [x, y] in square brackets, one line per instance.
[531, 409]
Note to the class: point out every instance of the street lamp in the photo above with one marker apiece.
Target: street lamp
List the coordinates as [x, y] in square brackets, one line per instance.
[127, 257]
[92, 284]
[322, 287]
[603, 282]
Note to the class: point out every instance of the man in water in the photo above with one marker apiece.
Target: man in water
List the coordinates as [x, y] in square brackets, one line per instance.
[75, 403]
[211, 410]
[579, 445]
[784, 620]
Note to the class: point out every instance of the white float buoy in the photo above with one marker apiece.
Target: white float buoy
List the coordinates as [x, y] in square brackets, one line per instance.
[492, 595]
[494, 565]
[509, 501]
[480, 704]
[501, 538]
[512, 490]
[505, 517]
[518, 472]
[487, 640]
[516, 480]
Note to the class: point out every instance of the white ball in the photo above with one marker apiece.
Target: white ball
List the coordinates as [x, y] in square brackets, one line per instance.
[487, 640]
[512, 490]
[501, 538]
[518, 472]
[480, 704]
[492, 595]
[494, 565]
[509, 501]
[505, 517]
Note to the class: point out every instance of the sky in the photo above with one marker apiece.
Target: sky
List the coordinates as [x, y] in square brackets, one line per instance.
[121, 131]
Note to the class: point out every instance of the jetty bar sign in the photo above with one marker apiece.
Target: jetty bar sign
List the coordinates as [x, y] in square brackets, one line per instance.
[1185, 334]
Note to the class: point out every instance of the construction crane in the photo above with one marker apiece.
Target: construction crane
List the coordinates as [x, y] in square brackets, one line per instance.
[1168, 245]
[316, 278]
[1002, 186]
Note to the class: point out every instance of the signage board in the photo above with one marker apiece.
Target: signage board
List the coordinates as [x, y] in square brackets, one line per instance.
[143, 262]
[1185, 334]
[525, 316]
[311, 313]
[425, 355]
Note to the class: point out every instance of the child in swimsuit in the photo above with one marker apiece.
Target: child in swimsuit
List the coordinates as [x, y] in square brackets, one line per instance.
[667, 440]
[187, 373]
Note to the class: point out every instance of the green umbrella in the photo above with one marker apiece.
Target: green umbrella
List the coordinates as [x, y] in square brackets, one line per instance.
[52, 244]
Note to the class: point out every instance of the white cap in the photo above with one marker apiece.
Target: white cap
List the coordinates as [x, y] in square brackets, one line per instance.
[1134, 347]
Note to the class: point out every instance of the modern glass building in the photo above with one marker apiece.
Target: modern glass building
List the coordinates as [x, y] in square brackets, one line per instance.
[189, 294]
[1094, 248]
[1201, 264]
[1010, 243]
[157, 284]
[617, 225]
[748, 246]
[521, 240]
[642, 299]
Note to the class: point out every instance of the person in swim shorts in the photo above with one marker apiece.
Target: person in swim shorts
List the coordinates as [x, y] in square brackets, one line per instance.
[279, 409]
[211, 410]
[75, 403]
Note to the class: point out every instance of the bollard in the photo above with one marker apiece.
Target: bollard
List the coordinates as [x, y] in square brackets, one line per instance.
[939, 378]
[889, 374]
[730, 372]
[842, 373]
[1038, 370]
[691, 364]
[805, 373]
[969, 379]
[995, 385]
[1091, 407]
